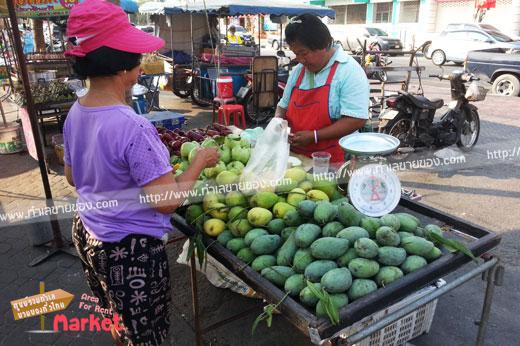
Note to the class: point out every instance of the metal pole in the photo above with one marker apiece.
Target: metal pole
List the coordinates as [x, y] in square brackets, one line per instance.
[493, 277]
[259, 34]
[5, 52]
[171, 38]
[3, 115]
[51, 40]
[280, 46]
[58, 240]
[195, 300]
[420, 302]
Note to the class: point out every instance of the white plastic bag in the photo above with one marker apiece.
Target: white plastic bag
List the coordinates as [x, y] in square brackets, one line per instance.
[476, 91]
[218, 275]
[269, 157]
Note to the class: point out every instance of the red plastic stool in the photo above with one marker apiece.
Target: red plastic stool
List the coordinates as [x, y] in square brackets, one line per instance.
[217, 102]
[225, 112]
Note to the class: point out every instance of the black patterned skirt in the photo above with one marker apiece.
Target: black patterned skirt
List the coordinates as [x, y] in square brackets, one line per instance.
[130, 278]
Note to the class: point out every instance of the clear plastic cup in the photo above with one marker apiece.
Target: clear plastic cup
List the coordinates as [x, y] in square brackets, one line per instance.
[320, 162]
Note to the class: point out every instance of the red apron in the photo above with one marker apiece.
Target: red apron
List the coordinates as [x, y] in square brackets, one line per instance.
[308, 111]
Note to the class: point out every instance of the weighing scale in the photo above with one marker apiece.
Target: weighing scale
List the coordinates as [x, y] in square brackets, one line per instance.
[373, 188]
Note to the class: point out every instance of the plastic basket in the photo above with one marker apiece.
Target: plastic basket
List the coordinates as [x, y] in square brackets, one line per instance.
[408, 327]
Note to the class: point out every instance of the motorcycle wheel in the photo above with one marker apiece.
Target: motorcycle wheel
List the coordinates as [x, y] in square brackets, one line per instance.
[468, 135]
[256, 116]
[382, 76]
[182, 93]
[399, 128]
[196, 97]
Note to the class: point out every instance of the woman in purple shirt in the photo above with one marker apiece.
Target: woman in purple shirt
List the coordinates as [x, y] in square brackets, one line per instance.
[115, 159]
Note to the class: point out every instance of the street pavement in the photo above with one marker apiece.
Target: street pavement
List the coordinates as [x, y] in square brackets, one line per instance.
[483, 189]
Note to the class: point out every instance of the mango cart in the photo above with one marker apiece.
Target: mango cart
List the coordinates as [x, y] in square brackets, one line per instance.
[395, 310]
[480, 241]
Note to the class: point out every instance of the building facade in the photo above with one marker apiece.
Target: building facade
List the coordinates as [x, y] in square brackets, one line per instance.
[414, 21]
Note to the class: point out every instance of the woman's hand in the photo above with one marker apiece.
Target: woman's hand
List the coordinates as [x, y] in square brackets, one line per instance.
[208, 157]
[301, 139]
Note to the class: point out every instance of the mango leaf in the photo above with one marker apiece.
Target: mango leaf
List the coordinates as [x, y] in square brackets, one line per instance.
[314, 290]
[453, 244]
[331, 309]
[324, 297]
[267, 314]
[201, 250]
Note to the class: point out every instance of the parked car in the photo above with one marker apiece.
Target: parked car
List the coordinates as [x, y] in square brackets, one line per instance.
[454, 43]
[501, 66]
[348, 39]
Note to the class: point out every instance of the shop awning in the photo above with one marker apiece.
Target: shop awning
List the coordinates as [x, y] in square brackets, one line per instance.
[38, 8]
[239, 7]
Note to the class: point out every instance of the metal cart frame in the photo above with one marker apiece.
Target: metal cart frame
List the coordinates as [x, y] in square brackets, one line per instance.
[321, 330]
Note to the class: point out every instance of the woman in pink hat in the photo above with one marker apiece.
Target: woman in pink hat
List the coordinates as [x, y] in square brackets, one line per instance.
[116, 161]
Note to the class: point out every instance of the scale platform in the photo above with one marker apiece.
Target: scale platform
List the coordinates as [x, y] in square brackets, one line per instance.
[373, 188]
[369, 144]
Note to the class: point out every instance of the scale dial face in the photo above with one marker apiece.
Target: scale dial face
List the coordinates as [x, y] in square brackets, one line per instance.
[374, 190]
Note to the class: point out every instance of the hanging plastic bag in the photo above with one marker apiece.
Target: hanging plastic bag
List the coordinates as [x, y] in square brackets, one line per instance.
[476, 91]
[268, 159]
[218, 275]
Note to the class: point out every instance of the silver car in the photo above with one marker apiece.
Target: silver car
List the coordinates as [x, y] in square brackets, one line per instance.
[454, 44]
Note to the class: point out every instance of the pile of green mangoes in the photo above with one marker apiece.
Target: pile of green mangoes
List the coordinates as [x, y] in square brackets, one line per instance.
[307, 231]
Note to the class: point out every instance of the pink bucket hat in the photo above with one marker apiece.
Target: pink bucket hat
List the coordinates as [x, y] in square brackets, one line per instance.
[93, 24]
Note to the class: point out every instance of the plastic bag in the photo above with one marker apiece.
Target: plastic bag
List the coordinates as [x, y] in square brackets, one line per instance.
[218, 275]
[476, 91]
[268, 159]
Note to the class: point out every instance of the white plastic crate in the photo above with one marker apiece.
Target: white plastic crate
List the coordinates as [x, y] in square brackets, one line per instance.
[408, 327]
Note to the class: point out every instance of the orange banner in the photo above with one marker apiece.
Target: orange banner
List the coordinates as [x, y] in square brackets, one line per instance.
[41, 304]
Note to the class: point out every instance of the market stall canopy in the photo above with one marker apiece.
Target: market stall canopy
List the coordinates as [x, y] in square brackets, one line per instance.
[157, 7]
[53, 8]
[237, 7]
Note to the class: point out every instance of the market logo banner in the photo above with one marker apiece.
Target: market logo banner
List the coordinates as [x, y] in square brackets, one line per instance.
[40, 8]
[41, 304]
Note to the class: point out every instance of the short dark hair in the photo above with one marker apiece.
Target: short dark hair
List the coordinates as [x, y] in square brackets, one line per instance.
[105, 61]
[308, 30]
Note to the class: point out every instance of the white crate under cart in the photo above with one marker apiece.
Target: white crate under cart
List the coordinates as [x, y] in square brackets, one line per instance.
[399, 332]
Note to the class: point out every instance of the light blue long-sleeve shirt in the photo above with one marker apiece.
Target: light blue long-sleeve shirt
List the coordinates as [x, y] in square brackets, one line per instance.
[349, 92]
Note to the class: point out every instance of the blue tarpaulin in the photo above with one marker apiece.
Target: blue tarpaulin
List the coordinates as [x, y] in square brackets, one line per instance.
[243, 7]
[129, 6]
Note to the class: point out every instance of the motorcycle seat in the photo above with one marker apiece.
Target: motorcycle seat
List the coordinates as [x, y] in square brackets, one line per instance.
[423, 102]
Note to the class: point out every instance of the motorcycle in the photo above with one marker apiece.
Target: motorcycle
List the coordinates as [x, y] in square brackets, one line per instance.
[374, 58]
[410, 117]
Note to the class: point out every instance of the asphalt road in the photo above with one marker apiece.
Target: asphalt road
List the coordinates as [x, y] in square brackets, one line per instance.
[481, 187]
[485, 190]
